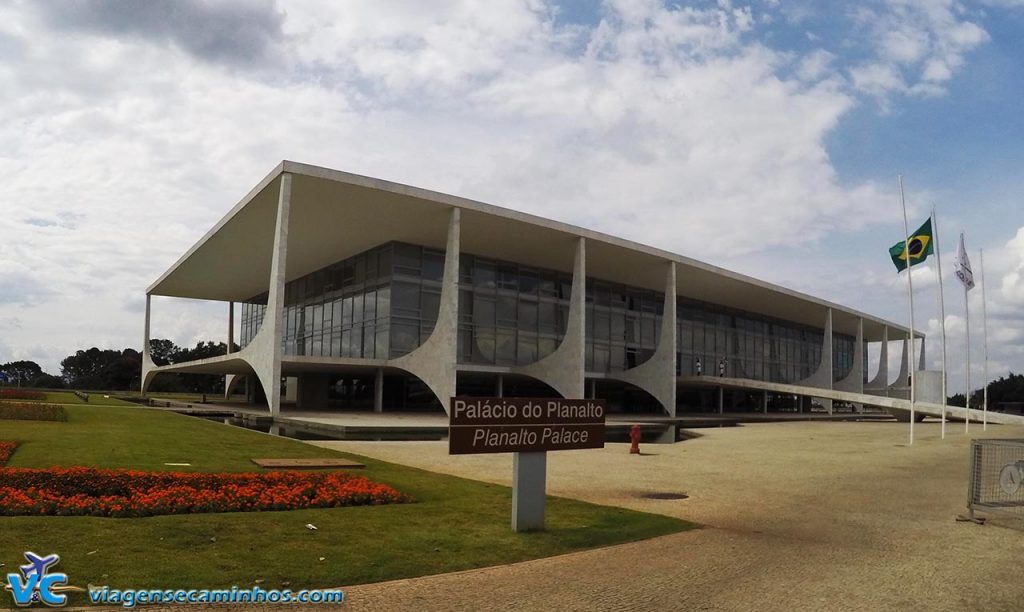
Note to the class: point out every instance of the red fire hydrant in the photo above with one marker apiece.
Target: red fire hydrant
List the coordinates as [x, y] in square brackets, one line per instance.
[634, 438]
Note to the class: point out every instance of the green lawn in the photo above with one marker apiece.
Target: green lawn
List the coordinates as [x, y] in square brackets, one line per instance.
[456, 523]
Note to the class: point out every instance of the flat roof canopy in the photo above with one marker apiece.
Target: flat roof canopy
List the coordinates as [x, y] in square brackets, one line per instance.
[335, 215]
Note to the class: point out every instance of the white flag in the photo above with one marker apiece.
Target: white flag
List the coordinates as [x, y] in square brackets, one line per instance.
[962, 265]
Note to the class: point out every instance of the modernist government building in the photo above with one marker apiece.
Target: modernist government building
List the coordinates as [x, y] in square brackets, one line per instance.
[358, 293]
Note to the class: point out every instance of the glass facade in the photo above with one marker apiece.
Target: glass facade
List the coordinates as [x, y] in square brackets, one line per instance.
[416, 295]
[341, 310]
[623, 324]
[510, 314]
[842, 355]
[252, 312]
[713, 340]
[384, 303]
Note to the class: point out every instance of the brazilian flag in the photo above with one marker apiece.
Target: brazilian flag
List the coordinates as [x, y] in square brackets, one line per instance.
[921, 246]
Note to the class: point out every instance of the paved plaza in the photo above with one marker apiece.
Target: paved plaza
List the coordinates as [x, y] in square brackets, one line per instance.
[827, 516]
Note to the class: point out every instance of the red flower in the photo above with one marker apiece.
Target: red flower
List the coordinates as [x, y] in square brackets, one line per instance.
[81, 491]
[6, 450]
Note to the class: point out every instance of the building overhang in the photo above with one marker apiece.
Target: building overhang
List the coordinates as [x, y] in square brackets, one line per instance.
[335, 215]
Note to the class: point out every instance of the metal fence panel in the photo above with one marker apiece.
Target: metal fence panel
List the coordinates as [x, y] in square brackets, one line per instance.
[997, 477]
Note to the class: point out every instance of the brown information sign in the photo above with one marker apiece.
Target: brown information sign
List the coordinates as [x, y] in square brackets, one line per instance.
[524, 425]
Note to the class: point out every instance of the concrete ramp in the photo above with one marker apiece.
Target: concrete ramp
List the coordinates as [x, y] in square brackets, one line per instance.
[867, 399]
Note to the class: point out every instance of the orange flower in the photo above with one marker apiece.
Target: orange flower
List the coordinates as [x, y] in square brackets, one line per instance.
[85, 491]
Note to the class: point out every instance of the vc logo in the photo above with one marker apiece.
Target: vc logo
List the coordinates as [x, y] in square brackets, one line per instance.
[38, 583]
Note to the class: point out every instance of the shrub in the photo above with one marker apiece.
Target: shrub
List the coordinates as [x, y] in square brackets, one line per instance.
[22, 394]
[24, 411]
[6, 450]
[80, 491]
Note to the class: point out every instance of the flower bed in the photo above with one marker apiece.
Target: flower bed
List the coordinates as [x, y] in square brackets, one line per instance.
[6, 450]
[26, 411]
[80, 491]
[21, 394]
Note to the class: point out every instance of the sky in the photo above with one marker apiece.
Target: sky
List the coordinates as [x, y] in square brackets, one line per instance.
[763, 136]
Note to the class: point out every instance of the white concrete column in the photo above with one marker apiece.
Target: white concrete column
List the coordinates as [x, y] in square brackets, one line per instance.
[822, 377]
[854, 381]
[231, 327]
[264, 351]
[378, 391]
[434, 361]
[529, 480]
[901, 386]
[721, 400]
[764, 403]
[148, 366]
[657, 375]
[145, 335]
[881, 379]
[499, 386]
[229, 379]
[563, 369]
[828, 359]
[291, 389]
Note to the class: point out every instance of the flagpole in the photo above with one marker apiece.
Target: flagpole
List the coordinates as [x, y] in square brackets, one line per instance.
[984, 332]
[910, 293]
[967, 327]
[942, 314]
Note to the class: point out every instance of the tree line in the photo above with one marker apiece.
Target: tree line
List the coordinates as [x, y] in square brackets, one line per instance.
[1005, 390]
[114, 370]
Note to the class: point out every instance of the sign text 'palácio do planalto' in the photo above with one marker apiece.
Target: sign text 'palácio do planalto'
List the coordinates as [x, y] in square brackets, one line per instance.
[524, 425]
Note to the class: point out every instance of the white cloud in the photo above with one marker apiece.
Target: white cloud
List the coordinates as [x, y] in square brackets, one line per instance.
[1005, 318]
[671, 126]
[815, 65]
[918, 46]
[1012, 285]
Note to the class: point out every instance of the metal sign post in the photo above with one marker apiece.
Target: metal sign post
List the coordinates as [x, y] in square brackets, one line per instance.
[529, 480]
[528, 428]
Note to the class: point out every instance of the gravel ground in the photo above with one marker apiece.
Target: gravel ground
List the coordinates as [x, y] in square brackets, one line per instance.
[797, 516]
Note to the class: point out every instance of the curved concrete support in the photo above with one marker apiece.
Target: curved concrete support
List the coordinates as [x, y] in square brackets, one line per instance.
[854, 381]
[657, 375]
[881, 379]
[148, 374]
[148, 366]
[563, 370]
[822, 377]
[901, 383]
[230, 382]
[263, 353]
[433, 362]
